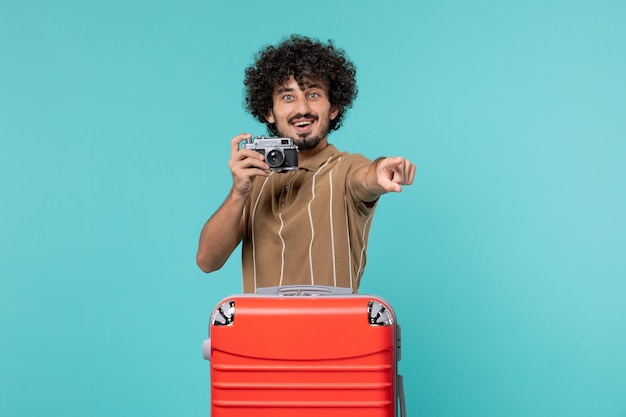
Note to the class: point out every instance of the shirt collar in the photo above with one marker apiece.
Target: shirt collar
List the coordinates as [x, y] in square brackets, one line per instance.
[320, 158]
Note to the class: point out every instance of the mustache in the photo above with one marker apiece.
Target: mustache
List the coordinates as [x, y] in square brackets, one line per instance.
[303, 116]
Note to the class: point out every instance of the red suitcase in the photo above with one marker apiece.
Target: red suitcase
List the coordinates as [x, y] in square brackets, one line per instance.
[304, 351]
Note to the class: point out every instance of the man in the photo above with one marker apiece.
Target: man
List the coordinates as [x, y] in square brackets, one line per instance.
[309, 225]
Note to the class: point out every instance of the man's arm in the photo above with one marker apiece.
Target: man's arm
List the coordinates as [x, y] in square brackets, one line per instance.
[223, 231]
[221, 234]
[382, 176]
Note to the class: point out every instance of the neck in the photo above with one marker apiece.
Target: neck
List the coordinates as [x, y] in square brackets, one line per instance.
[304, 155]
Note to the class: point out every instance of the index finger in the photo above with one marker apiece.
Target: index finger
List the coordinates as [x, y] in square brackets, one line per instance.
[234, 142]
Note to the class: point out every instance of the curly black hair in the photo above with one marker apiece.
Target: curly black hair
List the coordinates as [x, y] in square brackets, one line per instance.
[305, 59]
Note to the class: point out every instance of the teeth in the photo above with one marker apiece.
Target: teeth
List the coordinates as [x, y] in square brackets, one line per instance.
[303, 124]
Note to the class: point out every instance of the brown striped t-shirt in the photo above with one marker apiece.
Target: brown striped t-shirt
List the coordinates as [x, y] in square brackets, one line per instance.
[306, 226]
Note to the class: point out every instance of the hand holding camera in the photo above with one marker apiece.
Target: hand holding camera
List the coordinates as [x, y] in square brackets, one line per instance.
[251, 156]
[280, 153]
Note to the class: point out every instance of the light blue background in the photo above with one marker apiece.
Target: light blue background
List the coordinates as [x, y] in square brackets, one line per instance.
[505, 260]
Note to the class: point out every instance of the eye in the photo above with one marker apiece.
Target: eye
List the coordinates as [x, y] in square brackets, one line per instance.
[314, 95]
[287, 97]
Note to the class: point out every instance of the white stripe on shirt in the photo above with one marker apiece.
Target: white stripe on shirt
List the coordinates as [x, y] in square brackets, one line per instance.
[311, 218]
[252, 215]
[282, 253]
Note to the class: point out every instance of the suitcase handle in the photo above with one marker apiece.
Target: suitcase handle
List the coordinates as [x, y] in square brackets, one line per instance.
[306, 290]
[206, 349]
[400, 395]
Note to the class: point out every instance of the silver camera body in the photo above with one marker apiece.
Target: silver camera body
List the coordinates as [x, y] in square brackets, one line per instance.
[280, 153]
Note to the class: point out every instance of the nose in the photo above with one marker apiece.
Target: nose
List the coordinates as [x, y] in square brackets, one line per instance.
[303, 105]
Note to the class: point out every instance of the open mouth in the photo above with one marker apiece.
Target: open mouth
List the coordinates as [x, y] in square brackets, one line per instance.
[303, 125]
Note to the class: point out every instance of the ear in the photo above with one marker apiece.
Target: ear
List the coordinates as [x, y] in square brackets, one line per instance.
[269, 116]
[334, 111]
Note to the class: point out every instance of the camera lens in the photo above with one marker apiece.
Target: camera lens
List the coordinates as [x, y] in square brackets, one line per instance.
[274, 158]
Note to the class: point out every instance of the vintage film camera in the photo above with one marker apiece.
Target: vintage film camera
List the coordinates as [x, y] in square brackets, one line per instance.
[280, 153]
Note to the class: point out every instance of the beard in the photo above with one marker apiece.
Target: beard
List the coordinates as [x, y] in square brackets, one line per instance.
[308, 141]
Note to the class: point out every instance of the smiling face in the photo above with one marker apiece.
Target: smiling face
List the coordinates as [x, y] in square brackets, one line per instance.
[303, 113]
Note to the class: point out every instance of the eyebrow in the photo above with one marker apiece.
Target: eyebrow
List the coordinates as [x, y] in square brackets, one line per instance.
[285, 89]
[314, 85]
